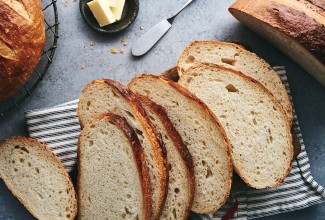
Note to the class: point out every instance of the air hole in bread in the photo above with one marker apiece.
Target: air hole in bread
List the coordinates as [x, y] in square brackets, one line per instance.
[15, 170]
[13, 161]
[24, 149]
[166, 137]
[29, 164]
[223, 116]
[88, 103]
[190, 59]
[189, 79]
[60, 192]
[176, 190]
[92, 126]
[236, 54]
[129, 114]
[37, 170]
[17, 147]
[209, 173]
[284, 153]
[229, 61]
[203, 142]
[271, 139]
[171, 180]
[203, 162]
[21, 160]
[68, 215]
[169, 167]
[40, 195]
[174, 214]
[128, 196]
[231, 88]
[151, 118]
[67, 209]
[254, 121]
[123, 215]
[91, 143]
[258, 172]
[147, 92]
[274, 108]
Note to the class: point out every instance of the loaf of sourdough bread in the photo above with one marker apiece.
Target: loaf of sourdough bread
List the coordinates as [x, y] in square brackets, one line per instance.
[202, 134]
[181, 184]
[37, 178]
[256, 124]
[296, 27]
[22, 39]
[105, 95]
[235, 57]
[113, 178]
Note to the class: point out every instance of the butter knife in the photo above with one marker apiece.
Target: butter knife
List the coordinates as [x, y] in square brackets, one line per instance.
[149, 39]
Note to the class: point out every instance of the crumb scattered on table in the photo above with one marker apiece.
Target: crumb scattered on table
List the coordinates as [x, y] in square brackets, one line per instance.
[82, 66]
[91, 43]
[141, 27]
[74, 0]
[66, 3]
[113, 50]
[124, 41]
[122, 51]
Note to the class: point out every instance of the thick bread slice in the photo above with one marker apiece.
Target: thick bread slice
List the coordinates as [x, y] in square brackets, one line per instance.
[102, 96]
[261, 143]
[181, 185]
[235, 57]
[37, 178]
[202, 134]
[113, 178]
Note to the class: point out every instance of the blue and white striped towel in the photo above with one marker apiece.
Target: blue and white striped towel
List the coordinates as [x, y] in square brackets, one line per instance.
[59, 128]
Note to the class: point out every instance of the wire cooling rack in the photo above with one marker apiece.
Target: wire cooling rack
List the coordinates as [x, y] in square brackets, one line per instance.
[51, 30]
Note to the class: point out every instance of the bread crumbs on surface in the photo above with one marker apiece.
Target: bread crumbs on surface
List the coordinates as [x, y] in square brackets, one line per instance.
[141, 27]
[124, 42]
[122, 51]
[91, 43]
[113, 50]
[82, 66]
[66, 3]
[74, 0]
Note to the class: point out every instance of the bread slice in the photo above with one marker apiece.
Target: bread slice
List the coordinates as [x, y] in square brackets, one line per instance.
[37, 178]
[235, 57]
[102, 96]
[181, 185]
[113, 178]
[261, 143]
[202, 134]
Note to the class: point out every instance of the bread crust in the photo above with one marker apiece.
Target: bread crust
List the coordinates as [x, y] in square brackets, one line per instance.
[171, 74]
[181, 147]
[202, 105]
[22, 39]
[239, 47]
[54, 158]
[275, 102]
[155, 137]
[294, 22]
[138, 155]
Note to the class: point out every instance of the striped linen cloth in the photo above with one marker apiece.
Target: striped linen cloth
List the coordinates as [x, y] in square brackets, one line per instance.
[59, 128]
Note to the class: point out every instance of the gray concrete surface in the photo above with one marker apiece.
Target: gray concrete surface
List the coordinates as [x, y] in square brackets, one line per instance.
[208, 19]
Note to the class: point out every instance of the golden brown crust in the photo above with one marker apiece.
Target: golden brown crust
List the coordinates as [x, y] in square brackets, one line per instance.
[243, 50]
[171, 74]
[203, 106]
[154, 136]
[22, 39]
[138, 155]
[181, 147]
[275, 102]
[55, 159]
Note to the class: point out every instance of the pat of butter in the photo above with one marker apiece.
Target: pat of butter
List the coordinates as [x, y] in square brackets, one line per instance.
[118, 9]
[102, 12]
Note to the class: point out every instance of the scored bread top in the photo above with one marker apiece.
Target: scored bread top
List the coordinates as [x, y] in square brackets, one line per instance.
[37, 178]
[126, 206]
[195, 123]
[181, 186]
[237, 58]
[261, 142]
[106, 95]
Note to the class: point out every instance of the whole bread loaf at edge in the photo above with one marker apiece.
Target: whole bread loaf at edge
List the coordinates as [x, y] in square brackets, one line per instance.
[22, 38]
[296, 27]
[113, 178]
[261, 142]
[37, 178]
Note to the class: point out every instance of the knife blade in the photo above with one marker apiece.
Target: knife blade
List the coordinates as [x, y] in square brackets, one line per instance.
[149, 39]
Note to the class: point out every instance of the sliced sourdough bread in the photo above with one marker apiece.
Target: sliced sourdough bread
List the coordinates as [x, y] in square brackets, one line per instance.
[181, 185]
[113, 178]
[261, 143]
[235, 57]
[102, 96]
[37, 178]
[202, 134]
